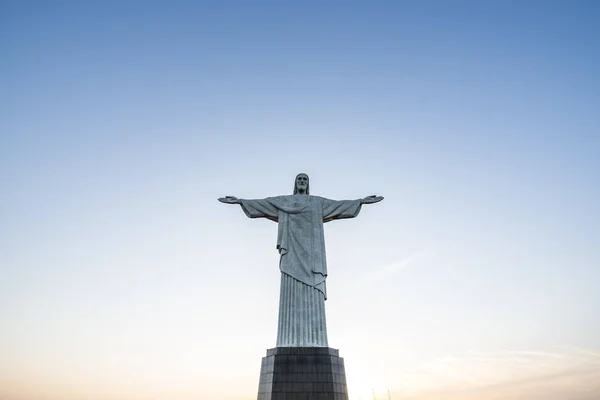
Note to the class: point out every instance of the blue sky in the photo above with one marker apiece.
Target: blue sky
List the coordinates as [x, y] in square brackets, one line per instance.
[121, 123]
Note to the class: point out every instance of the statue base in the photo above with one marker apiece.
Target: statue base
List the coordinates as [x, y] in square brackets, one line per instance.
[302, 373]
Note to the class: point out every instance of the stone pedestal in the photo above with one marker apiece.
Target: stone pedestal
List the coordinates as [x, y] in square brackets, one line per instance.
[302, 373]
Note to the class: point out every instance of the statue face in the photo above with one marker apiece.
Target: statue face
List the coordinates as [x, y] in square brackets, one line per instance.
[302, 183]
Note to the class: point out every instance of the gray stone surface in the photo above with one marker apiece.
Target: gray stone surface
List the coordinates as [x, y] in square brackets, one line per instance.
[309, 373]
[301, 245]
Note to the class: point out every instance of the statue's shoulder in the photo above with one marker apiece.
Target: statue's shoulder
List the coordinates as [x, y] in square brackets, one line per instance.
[283, 198]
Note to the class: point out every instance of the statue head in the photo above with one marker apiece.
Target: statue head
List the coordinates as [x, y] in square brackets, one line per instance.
[301, 185]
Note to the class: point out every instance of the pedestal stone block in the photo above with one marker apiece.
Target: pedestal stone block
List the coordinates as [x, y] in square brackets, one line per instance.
[302, 373]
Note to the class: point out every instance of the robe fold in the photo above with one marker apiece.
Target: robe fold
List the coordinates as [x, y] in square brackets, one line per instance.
[301, 245]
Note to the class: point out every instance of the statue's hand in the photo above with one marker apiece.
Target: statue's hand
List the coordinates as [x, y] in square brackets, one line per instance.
[371, 199]
[230, 200]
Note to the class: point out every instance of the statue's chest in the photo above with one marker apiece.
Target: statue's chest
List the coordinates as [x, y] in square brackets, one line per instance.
[303, 205]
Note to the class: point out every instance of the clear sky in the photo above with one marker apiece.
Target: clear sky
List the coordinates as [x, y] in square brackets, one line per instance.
[122, 122]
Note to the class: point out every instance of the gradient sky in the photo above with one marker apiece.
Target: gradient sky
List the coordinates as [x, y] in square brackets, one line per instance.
[121, 123]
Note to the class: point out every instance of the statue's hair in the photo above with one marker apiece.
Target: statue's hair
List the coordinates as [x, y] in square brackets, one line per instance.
[307, 185]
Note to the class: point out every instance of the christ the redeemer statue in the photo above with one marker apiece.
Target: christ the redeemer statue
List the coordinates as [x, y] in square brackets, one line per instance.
[301, 245]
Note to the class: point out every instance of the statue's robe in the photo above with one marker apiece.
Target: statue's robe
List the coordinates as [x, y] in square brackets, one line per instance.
[301, 245]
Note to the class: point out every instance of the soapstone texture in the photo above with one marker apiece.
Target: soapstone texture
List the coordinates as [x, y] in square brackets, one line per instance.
[301, 245]
[300, 238]
[301, 315]
[302, 262]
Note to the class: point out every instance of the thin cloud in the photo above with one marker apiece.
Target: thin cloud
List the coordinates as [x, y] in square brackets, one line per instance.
[583, 351]
[515, 374]
[528, 354]
[570, 373]
[389, 270]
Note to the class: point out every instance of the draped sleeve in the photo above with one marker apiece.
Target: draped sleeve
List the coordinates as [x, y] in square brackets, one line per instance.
[340, 209]
[263, 208]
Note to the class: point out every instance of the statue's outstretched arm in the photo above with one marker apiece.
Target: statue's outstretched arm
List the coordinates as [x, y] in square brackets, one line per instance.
[230, 200]
[257, 208]
[371, 199]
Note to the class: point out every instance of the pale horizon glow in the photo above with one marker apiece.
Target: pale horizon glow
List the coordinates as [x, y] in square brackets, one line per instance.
[123, 278]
